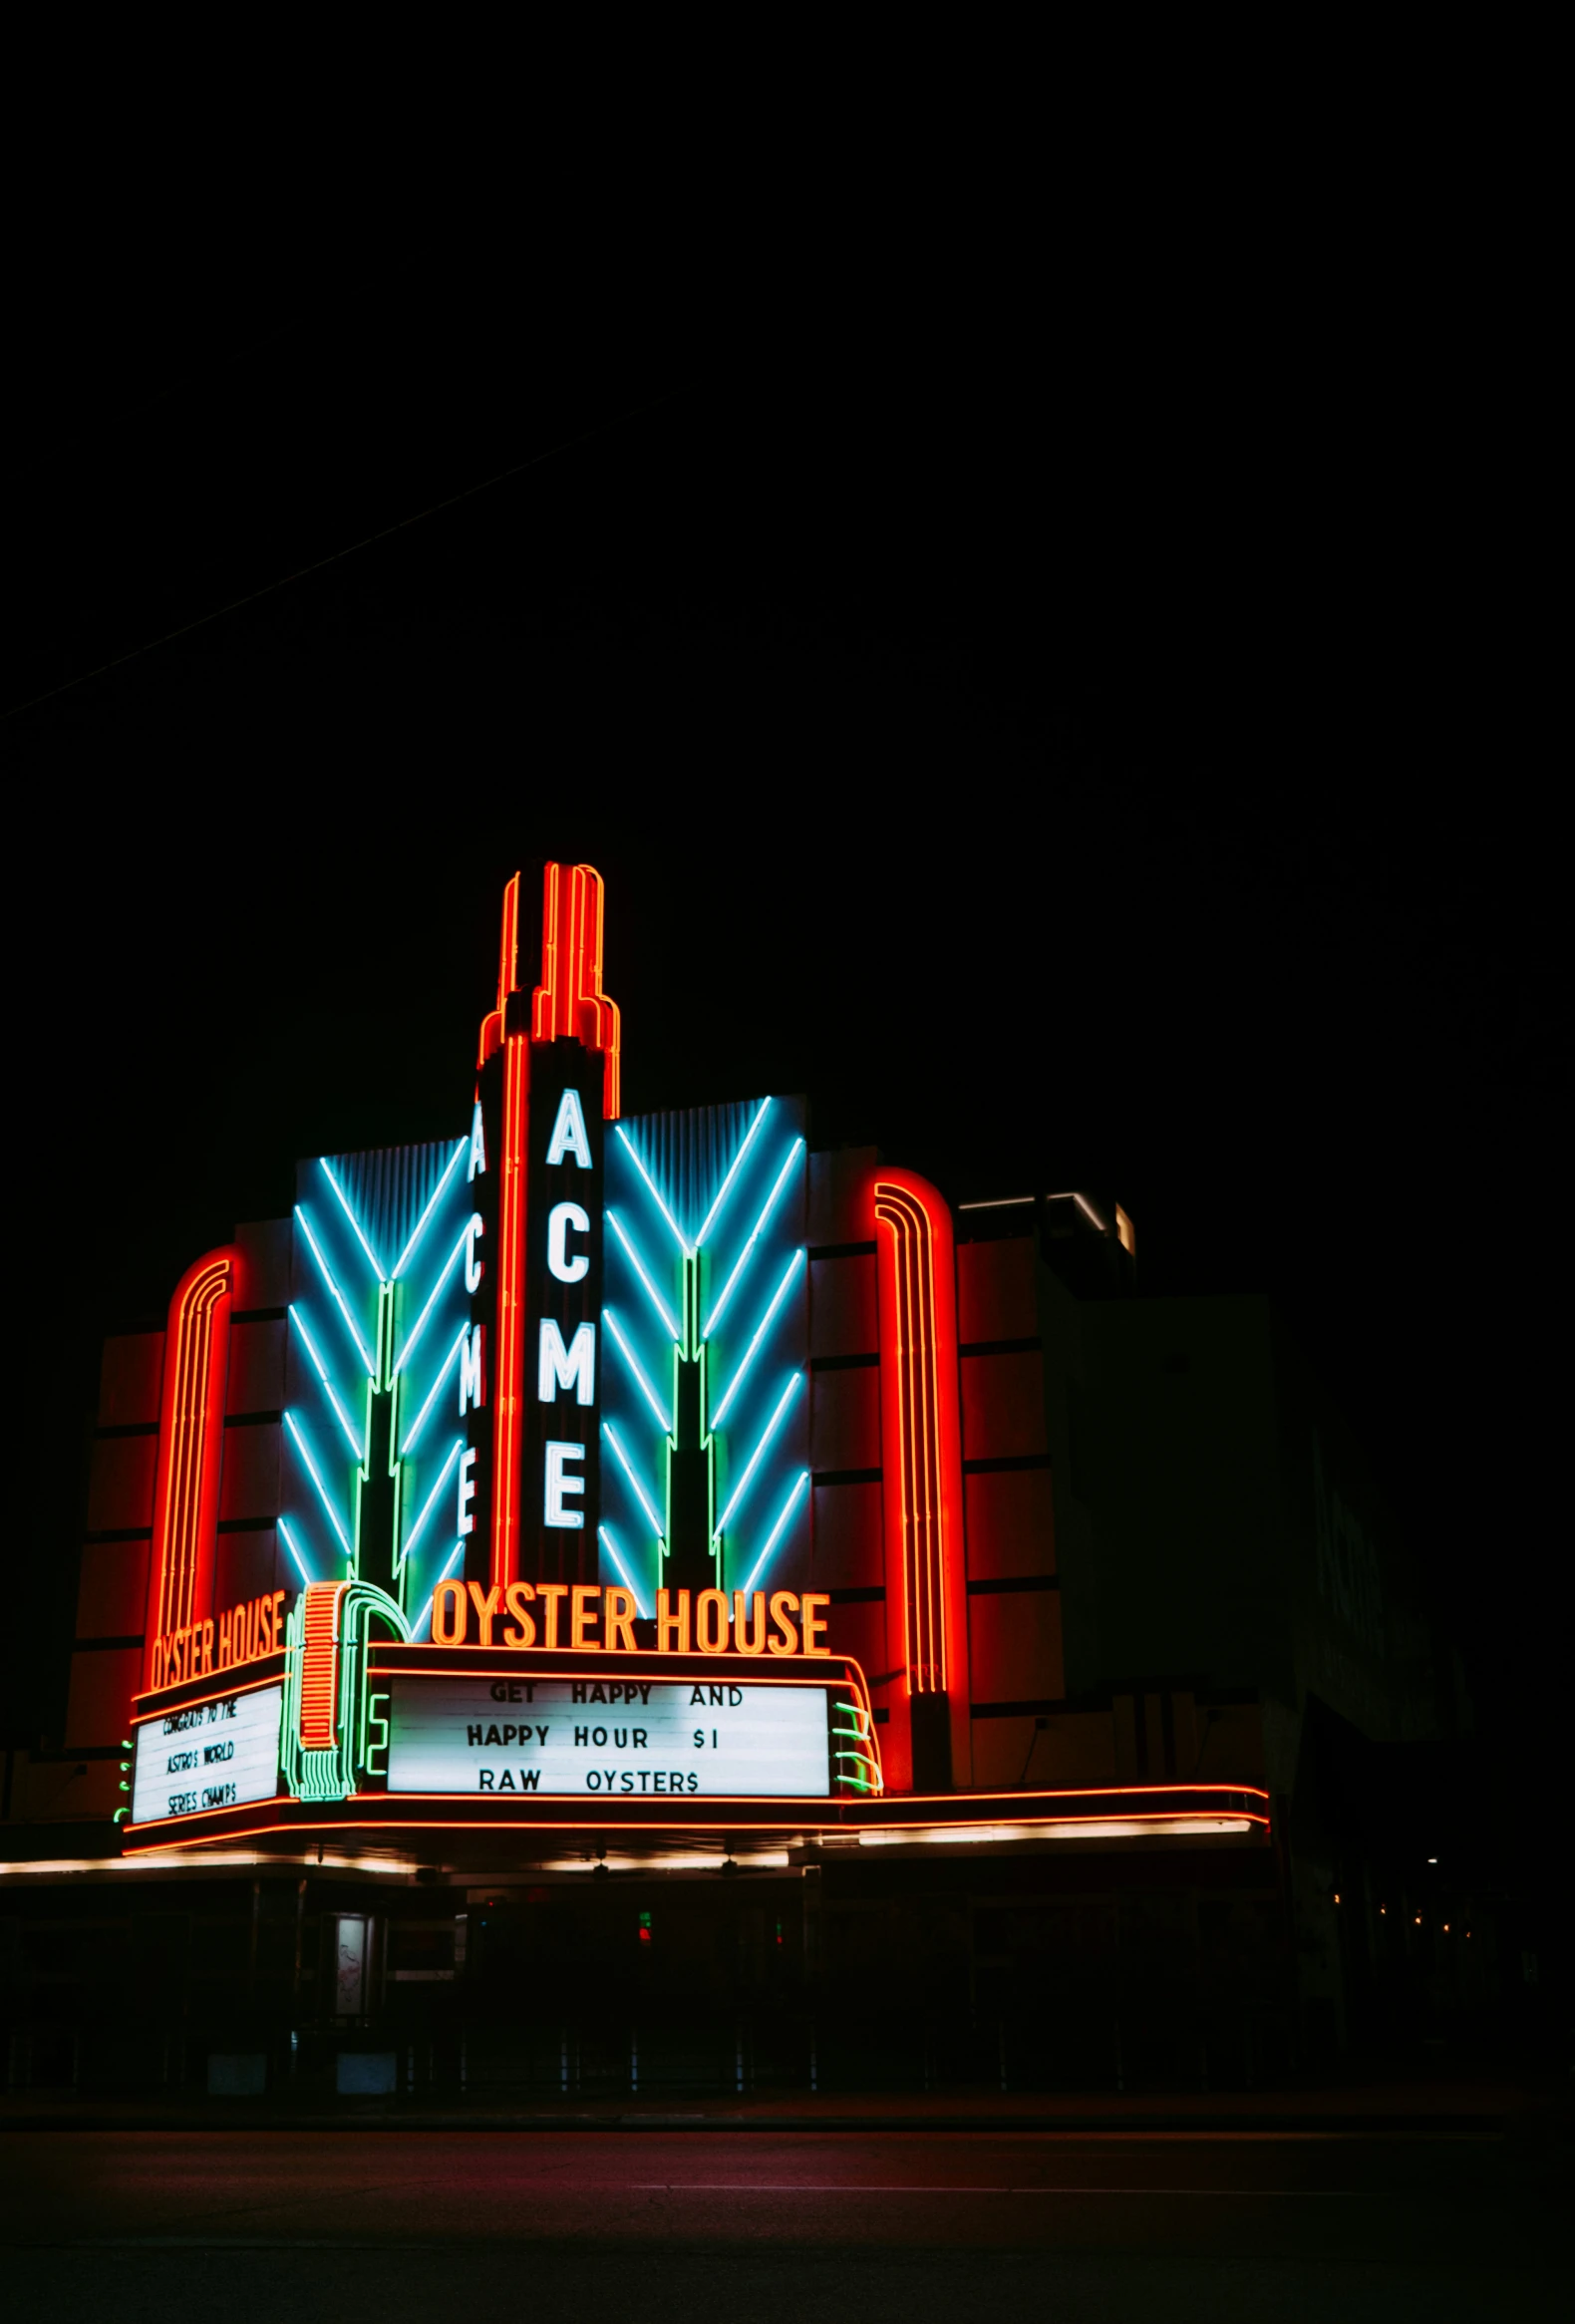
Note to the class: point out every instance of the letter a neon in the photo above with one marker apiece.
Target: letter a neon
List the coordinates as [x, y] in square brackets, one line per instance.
[569, 1135]
[477, 1144]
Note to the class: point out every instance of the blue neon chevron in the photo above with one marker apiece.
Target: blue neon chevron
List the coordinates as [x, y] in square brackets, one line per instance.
[715, 1170]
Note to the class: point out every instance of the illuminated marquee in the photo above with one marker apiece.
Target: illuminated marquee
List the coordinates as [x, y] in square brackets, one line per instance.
[615, 1738]
[204, 1756]
[546, 1391]
[546, 1504]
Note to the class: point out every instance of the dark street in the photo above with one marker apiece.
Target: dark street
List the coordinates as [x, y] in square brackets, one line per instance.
[665, 2224]
[787, 1488]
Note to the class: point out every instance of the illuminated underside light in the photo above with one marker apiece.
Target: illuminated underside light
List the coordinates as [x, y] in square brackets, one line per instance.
[418, 1422]
[1000, 1203]
[322, 1490]
[611, 1547]
[756, 1458]
[376, 1265]
[431, 1499]
[290, 1545]
[336, 1294]
[624, 1349]
[611, 1435]
[322, 1374]
[403, 1260]
[788, 1506]
[171, 1859]
[1072, 1828]
[772, 1859]
[737, 1381]
[1089, 1212]
[423, 1618]
[754, 1235]
[713, 1212]
[651, 1290]
[655, 1197]
[420, 1324]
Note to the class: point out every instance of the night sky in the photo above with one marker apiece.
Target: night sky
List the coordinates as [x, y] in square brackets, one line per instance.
[1095, 747]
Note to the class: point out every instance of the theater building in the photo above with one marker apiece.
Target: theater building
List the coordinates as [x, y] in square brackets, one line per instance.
[630, 1604]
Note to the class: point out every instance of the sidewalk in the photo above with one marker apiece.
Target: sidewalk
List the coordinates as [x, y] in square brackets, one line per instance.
[1376, 2108]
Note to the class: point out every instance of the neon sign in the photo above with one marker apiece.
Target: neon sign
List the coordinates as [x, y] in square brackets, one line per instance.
[711, 1625]
[190, 1433]
[706, 1415]
[640, 1737]
[244, 1634]
[375, 1353]
[206, 1756]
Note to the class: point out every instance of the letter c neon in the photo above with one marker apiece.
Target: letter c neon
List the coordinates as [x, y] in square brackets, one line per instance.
[560, 1218]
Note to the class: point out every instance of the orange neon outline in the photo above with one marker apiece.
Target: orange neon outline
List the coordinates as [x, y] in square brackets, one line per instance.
[854, 1813]
[852, 1675]
[318, 1725]
[569, 1001]
[190, 1446]
[703, 1673]
[499, 1824]
[212, 1694]
[509, 1327]
[492, 1033]
[775, 1673]
[1075, 1792]
[777, 1799]
[509, 1312]
[544, 1000]
[921, 1441]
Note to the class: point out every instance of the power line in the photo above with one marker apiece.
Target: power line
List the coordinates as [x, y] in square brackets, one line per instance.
[338, 556]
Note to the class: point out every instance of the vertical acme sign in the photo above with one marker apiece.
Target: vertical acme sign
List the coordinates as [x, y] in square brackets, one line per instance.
[547, 1081]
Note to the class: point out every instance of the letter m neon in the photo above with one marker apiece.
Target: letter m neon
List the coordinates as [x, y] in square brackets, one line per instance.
[470, 1369]
[571, 1367]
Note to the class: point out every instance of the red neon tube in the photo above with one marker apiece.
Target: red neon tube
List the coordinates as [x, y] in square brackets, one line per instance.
[191, 1448]
[320, 1664]
[569, 1002]
[509, 1330]
[921, 1449]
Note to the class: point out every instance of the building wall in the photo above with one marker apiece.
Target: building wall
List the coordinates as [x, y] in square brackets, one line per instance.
[1174, 1444]
[1145, 1554]
[1219, 1528]
[1364, 1639]
[112, 1604]
[1011, 1660]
